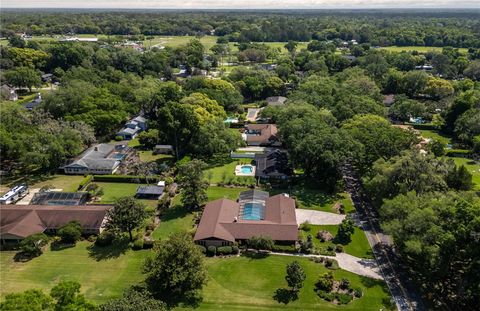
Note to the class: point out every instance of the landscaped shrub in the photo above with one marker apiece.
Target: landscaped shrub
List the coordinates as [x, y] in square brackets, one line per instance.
[91, 238]
[125, 178]
[32, 245]
[148, 232]
[343, 299]
[235, 249]
[138, 244]
[118, 138]
[284, 248]
[358, 292]
[85, 181]
[202, 249]
[339, 248]
[260, 242]
[211, 250]
[224, 250]
[105, 238]
[306, 226]
[71, 232]
[325, 282]
[148, 243]
[331, 264]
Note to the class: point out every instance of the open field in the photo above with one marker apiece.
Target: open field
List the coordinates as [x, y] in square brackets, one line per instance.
[436, 136]
[421, 49]
[245, 283]
[222, 170]
[103, 272]
[472, 167]
[358, 245]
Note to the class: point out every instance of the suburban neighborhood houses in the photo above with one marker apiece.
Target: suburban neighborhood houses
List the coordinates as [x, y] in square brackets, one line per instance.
[282, 159]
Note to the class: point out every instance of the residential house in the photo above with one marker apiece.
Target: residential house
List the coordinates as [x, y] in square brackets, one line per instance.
[34, 103]
[261, 135]
[8, 93]
[225, 222]
[100, 159]
[163, 149]
[276, 101]
[272, 165]
[47, 77]
[150, 192]
[20, 221]
[132, 128]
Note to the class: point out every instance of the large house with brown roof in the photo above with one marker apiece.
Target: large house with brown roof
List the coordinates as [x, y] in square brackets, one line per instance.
[261, 135]
[255, 213]
[19, 221]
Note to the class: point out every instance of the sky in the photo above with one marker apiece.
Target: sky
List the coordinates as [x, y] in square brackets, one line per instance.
[241, 4]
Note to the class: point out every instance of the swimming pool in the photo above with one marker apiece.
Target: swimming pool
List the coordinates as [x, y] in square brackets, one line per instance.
[119, 156]
[252, 211]
[246, 169]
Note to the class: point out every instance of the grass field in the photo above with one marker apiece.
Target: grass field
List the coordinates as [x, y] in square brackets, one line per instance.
[421, 49]
[149, 156]
[222, 169]
[103, 273]
[436, 136]
[243, 283]
[175, 219]
[215, 193]
[472, 167]
[358, 245]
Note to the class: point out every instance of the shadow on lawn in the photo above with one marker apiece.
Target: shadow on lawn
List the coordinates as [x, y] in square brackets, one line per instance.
[284, 295]
[119, 247]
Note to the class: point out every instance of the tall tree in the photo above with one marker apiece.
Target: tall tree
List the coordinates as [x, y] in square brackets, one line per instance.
[177, 272]
[126, 215]
[295, 276]
[193, 186]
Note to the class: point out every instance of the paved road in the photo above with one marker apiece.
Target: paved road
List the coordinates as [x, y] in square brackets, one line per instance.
[318, 217]
[405, 297]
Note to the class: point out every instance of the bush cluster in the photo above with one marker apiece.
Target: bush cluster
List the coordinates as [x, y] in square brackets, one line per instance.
[124, 178]
[105, 238]
[85, 181]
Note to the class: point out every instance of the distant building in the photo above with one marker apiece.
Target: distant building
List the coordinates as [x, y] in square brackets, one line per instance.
[100, 159]
[34, 103]
[276, 101]
[47, 77]
[150, 192]
[8, 93]
[424, 67]
[20, 221]
[272, 165]
[163, 149]
[225, 222]
[132, 128]
[76, 39]
[261, 135]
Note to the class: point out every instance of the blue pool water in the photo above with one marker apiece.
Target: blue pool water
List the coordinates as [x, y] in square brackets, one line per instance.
[118, 156]
[252, 211]
[246, 169]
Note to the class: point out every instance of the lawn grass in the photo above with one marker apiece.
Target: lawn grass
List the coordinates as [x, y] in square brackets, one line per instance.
[103, 272]
[421, 49]
[244, 283]
[215, 193]
[358, 246]
[149, 156]
[317, 199]
[222, 169]
[175, 219]
[472, 167]
[436, 136]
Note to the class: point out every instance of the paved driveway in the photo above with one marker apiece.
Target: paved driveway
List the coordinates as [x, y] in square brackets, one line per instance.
[317, 217]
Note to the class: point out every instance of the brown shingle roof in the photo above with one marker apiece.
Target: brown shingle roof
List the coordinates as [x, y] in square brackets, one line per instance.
[24, 220]
[220, 221]
[268, 132]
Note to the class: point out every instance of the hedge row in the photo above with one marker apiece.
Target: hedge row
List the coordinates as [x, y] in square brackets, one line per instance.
[458, 152]
[85, 181]
[124, 178]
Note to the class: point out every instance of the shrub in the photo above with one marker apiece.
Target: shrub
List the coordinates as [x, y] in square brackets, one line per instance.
[105, 238]
[284, 248]
[343, 299]
[148, 232]
[339, 248]
[224, 250]
[202, 249]
[306, 226]
[330, 248]
[150, 226]
[91, 238]
[85, 181]
[32, 245]
[71, 232]
[331, 264]
[211, 250]
[358, 292]
[137, 244]
[118, 138]
[148, 243]
[325, 282]
[260, 242]
[46, 188]
[235, 249]
[344, 284]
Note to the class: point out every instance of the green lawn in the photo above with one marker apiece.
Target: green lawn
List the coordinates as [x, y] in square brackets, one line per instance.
[114, 190]
[65, 182]
[215, 193]
[175, 219]
[222, 169]
[243, 283]
[472, 167]
[421, 49]
[149, 156]
[358, 245]
[436, 136]
[103, 273]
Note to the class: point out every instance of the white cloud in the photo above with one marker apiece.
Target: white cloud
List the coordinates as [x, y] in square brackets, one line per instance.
[240, 4]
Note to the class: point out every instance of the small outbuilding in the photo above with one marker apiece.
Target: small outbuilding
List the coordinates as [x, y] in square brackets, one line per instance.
[150, 192]
[163, 149]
